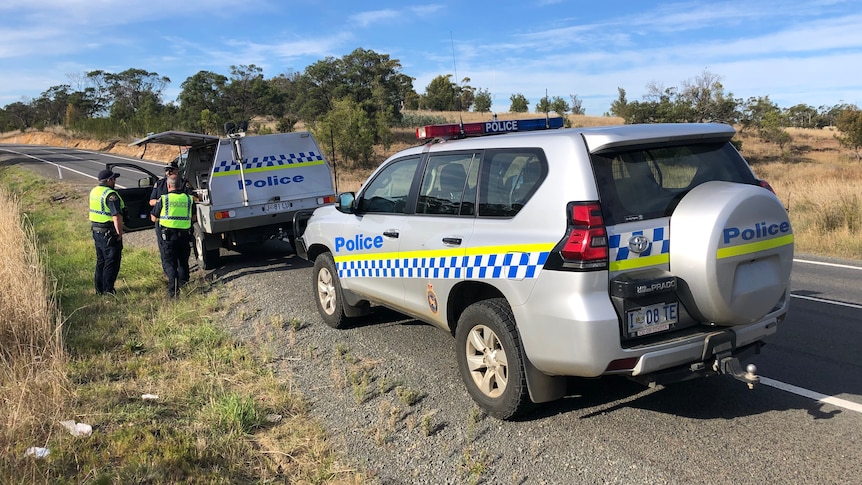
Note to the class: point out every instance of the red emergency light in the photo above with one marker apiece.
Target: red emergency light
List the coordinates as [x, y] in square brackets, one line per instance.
[461, 130]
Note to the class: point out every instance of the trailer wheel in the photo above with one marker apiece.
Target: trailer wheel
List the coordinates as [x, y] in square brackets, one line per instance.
[207, 258]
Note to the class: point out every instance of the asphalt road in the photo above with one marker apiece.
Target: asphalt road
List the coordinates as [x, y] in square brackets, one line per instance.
[803, 424]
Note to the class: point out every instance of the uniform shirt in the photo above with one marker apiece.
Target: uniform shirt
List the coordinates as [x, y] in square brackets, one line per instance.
[114, 207]
[157, 209]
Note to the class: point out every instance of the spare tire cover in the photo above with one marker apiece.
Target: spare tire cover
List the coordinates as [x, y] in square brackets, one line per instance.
[732, 247]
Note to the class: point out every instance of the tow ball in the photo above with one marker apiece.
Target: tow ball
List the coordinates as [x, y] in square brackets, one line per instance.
[732, 367]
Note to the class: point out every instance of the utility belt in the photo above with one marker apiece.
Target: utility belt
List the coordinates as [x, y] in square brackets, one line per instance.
[172, 234]
[104, 229]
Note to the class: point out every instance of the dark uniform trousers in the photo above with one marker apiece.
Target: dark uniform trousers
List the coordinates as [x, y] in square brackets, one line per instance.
[109, 251]
[175, 250]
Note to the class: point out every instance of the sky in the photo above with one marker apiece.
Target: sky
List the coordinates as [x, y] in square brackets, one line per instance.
[794, 51]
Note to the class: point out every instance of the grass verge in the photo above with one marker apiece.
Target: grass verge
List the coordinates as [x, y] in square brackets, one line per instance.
[65, 354]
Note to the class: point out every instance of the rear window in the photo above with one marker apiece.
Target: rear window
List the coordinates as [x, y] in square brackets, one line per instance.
[648, 183]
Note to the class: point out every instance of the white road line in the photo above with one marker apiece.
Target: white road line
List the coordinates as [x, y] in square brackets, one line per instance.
[834, 401]
[821, 263]
[831, 302]
[60, 168]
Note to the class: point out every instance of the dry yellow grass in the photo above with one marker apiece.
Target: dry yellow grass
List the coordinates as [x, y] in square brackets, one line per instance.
[819, 182]
[33, 382]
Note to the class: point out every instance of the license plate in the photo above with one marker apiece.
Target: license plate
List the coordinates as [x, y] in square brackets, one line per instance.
[652, 319]
[276, 207]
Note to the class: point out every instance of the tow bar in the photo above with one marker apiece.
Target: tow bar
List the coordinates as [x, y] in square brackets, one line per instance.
[731, 366]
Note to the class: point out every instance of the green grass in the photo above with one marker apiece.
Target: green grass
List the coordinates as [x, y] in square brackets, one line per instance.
[212, 420]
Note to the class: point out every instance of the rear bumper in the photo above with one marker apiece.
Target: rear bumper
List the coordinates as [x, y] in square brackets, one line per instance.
[579, 335]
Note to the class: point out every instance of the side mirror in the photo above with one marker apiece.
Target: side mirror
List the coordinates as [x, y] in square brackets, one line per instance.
[345, 202]
[146, 182]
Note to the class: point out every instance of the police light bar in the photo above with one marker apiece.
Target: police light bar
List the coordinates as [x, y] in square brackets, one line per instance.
[486, 128]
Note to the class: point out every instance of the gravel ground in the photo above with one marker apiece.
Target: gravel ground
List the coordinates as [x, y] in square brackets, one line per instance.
[398, 420]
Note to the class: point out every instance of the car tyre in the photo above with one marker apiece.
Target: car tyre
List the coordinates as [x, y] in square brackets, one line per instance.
[327, 292]
[207, 258]
[490, 360]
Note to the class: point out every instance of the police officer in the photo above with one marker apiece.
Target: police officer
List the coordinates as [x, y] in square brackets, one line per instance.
[174, 213]
[160, 189]
[106, 217]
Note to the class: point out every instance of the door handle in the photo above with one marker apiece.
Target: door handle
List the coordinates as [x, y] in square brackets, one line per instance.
[452, 241]
[391, 233]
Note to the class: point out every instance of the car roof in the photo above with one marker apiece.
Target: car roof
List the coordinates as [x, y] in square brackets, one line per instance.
[600, 139]
[178, 138]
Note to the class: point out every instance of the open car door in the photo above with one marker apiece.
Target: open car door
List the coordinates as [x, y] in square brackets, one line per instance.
[137, 198]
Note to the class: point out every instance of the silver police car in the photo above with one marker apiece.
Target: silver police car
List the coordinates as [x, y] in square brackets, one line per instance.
[650, 251]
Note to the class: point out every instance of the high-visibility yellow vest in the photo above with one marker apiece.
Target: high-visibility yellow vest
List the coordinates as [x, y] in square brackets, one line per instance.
[176, 211]
[99, 211]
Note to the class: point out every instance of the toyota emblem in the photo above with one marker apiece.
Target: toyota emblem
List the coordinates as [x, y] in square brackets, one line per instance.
[638, 244]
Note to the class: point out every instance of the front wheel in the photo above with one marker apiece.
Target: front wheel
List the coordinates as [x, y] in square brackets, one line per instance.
[490, 360]
[327, 292]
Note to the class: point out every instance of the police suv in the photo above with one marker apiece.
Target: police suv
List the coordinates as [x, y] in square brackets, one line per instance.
[650, 251]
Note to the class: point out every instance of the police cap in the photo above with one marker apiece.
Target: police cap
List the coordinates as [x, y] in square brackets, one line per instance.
[107, 175]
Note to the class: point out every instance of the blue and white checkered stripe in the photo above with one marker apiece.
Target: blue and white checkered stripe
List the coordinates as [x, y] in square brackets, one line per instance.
[480, 266]
[618, 244]
[225, 166]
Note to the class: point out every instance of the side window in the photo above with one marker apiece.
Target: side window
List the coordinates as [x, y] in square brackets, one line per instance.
[449, 184]
[508, 179]
[389, 189]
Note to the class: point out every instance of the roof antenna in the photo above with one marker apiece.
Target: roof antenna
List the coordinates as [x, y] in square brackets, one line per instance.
[454, 66]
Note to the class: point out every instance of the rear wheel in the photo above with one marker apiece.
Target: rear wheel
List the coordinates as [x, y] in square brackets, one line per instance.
[490, 360]
[207, 258]
[327, 292]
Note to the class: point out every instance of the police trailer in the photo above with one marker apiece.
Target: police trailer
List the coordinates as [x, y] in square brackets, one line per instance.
[247, 188]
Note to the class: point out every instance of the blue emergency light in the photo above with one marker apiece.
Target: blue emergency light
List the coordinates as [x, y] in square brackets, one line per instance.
[458, 130]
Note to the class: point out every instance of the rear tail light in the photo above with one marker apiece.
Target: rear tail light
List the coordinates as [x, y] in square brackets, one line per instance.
[586, 243]
[765, 185]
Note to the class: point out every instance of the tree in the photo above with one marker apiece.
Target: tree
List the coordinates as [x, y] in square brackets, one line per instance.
[466, 95]
[50, 106]
[247, 93]
[348, 127]
[129, 90]
[755, 110]
[620, 106]
[802, 116]
[482, 101]
[441, 94]
[372, 81]
[519, 103]
[577, 105]
[21, 115]
[559, 105]
[849, 123]
[771, 129]
[705, 96]
[203, 105]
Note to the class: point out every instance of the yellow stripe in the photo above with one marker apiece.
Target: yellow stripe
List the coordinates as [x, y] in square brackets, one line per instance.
[267, 169]
[754, 247]
[641, 262]
[438, 253]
